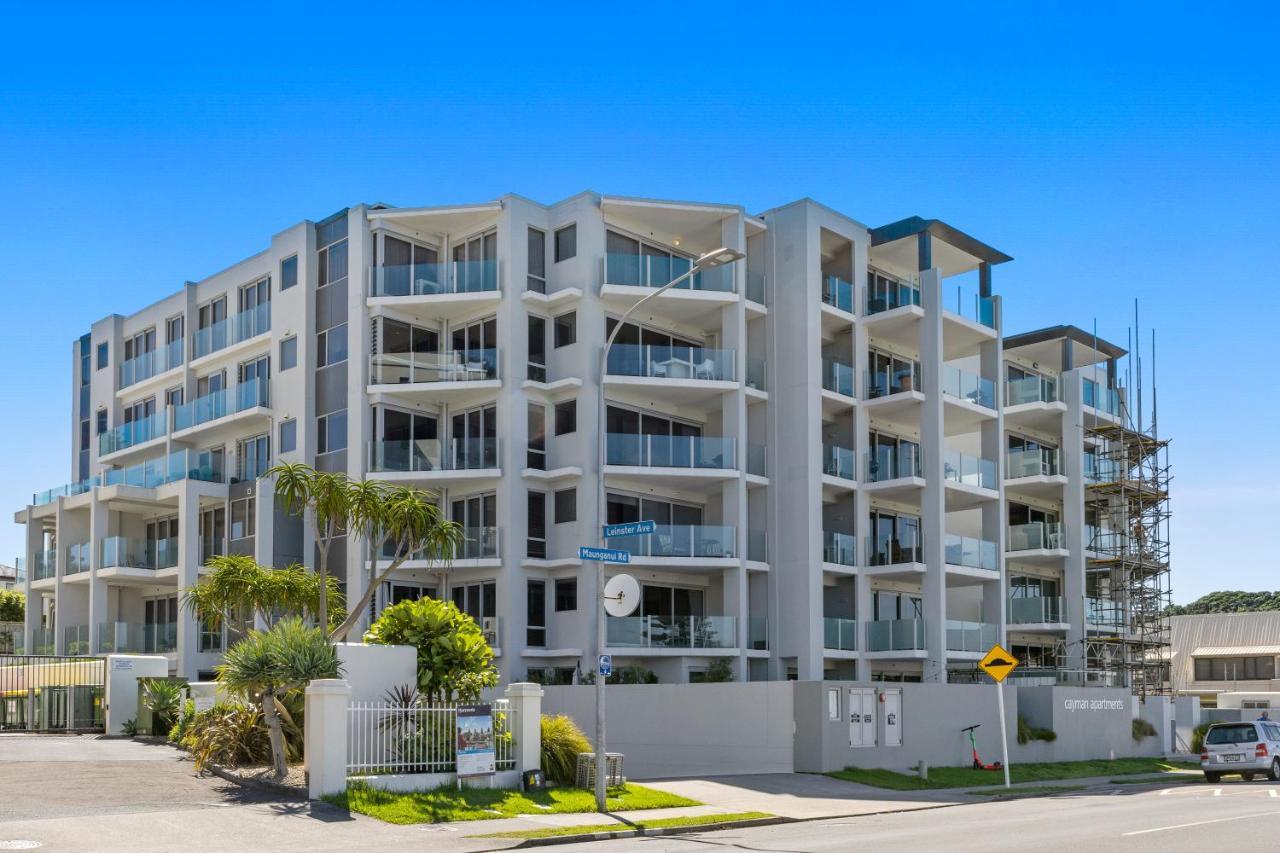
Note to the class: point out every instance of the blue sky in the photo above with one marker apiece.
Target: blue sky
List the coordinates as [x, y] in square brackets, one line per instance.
[1115, 154]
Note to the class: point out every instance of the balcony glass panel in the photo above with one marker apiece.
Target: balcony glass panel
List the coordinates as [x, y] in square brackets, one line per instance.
[895, 635]
[655, 270]
[758, 460]
[135, 432]
[433, 454]
[69, 490]
[672, 362]
[837, 376]
[180, 465]
[77, 559]
[756, 287]
[893, 463]
[136, 637]
[42, 641]
[905, 376]
[673, 632]
[968, 386]
[149, 364]
[970, 636]
[887, 295]
[1035, 610]
[969, 470]
[220, 404]
[412, 368]
[243, 326]
[132, 553]
[837, 293]
[75, 640]
[681, 540]
[756, 376]
[668, 451]
[1104, 613]
[1031, 389]
[893, 551]
[838, 461]
[1033, 462]
[757, 546]
[757, 633]
[1101, 398]
[1035, 536]
[971, 552]
[985, 310]
[839, 548]
[44, 565]
[839, 633]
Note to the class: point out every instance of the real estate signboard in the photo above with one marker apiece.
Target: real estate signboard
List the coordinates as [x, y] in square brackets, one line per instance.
[476, 747]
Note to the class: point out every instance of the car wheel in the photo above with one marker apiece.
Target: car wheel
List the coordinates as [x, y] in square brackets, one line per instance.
[1248, 777]
[1213, 778]
[1274, 773]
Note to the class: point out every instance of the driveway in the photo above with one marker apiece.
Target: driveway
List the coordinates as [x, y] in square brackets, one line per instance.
[92, 793]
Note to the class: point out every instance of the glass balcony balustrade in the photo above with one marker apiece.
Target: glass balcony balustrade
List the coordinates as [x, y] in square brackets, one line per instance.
[898, 380]
[692, 541]
[133, 433]
[839, 548]
[1032, 462]
[757, 545]
[895, 635]
[417, 368]
[636, 270]
[757, 376]
[886, 294]
[839, 633]
[758, 633]
[1036, 536]
[148, 364]
[969, 470]
[893, 463]
[1030, 389]
[44, 564]
[179, 465]
[434, 454]
[128, 552]
[838, 461]
[837, 376]
[137, 637]
[837, 293]
[884, 550]
[77, 559]
[232, 330]
[1035, 610]
[220, 404]
[757, 290]
[758, 460]
[970, 636]
[668, 451]
[967, 386]
[672, 362]
[435, 279]
[75, 640]
[673, 632]
[971, 552]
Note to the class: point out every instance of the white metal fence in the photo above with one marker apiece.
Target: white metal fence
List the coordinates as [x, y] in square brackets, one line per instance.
[387, 738]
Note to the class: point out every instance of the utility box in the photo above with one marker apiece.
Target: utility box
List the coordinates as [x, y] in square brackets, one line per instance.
[862, 716]
[891, 706]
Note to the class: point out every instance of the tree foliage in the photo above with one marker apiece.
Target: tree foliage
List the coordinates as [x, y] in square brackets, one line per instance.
[454, 661]
[238, 584]
[13, 605]
[1228, 601]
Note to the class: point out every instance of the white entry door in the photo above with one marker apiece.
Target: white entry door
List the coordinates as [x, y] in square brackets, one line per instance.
[862, 716]
[892, 716]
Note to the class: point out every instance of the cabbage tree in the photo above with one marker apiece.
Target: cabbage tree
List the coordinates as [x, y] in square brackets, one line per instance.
[324, 500]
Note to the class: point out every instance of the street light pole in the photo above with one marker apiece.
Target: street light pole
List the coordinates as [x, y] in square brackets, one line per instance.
[711, 260]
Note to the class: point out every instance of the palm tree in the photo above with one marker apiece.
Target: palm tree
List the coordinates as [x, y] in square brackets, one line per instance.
[267, 664]
[238, 584]
[402, 515]
[323, 498]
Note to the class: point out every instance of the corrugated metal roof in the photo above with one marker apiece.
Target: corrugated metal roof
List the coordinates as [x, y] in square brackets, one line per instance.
[1234, 651]
[1190, 634]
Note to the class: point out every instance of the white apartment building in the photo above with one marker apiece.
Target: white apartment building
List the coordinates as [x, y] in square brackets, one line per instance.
[853, 476]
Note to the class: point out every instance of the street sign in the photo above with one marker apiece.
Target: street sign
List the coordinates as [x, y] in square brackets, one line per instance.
[603, 555]
[606, 666]
[998, 663]
[630, 528]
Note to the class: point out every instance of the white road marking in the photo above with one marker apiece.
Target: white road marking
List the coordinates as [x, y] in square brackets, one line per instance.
[1217, 792]
[1272, 792]
[1200, 823]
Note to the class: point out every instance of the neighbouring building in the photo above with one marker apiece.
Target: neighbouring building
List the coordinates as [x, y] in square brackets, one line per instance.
[9, 577]
[855, 472]
[1227, 659]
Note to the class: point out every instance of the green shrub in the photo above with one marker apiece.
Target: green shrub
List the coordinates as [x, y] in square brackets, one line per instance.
[562, 740]
[228, 734]
[718, 671]
[163, 698]
[1028, 732]
[13, 605]
[1197, 737]
[633, 674]
[179, 730]
[454, 661]
[129, 727]
[1141, 729]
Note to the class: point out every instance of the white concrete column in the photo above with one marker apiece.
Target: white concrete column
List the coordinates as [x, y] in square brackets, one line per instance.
[188, 576]
[1071, 464]
[994, 513]
[325, 736]
[60, 567]
[526, 707]
[933, 509]
[99, 528]
[35, 603]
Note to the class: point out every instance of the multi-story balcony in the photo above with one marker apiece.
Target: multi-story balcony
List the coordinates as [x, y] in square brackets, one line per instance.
[837, 377]
[968, 387]
[1036, 536]
[435, 279]
[142, 367]
[969, 479]
[884, 294]
[436, 459]
[672, 362]
[137, 638]
[478, 543]
[233, 330]
[838, 461]
[1033, 462]
[77, 559]
[453, 374]
[885, 550]
[839, 549]
[837, 293]
[691, 542]
[44, 564]
[970, 552]
[1030, 389]
[179, 465]
[895, 635]
[673, 632]
[128, 552]
[902, 379]
[1102, 399]
[1036, 610]
[1033, 402]
[133, 434]
[839, 634]
[69, 490]
[757, 545]
[971, 637]
[244, 397]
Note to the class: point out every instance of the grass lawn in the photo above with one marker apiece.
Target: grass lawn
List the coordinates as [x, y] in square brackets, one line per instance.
[965, 777]
[660, 823]
[447, 803]
[1029, 791]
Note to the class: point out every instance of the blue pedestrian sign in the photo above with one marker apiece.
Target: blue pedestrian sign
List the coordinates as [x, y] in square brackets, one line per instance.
[630, 528]
[606, 666]
[604, 555]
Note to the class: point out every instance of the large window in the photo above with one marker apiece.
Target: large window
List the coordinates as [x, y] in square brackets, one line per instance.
[895, 539]
[537, 456]
[255, 456]
[288, 435]
[1259, 668]
[475, 263]
[331, 432]
[475, 438]
[566, 417]
[537, 613]
[288, 353]
[407, 269]
[566, 501]
[537, 349]
[242, 518]
[566, 243]
[537, 541]
[566, 594]
[537, 261]
[288, 272]
[103, 355]
[331, 346]
[566, 329]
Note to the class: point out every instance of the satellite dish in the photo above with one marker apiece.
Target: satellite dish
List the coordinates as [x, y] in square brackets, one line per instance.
[621, 595]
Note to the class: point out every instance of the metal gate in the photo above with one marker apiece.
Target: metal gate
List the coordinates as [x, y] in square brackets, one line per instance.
[48, 693]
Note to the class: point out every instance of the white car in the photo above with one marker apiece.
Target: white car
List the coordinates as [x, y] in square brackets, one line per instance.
[1249, 749]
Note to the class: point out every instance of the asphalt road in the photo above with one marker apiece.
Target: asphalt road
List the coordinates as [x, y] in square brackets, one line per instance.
[1233, 816]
